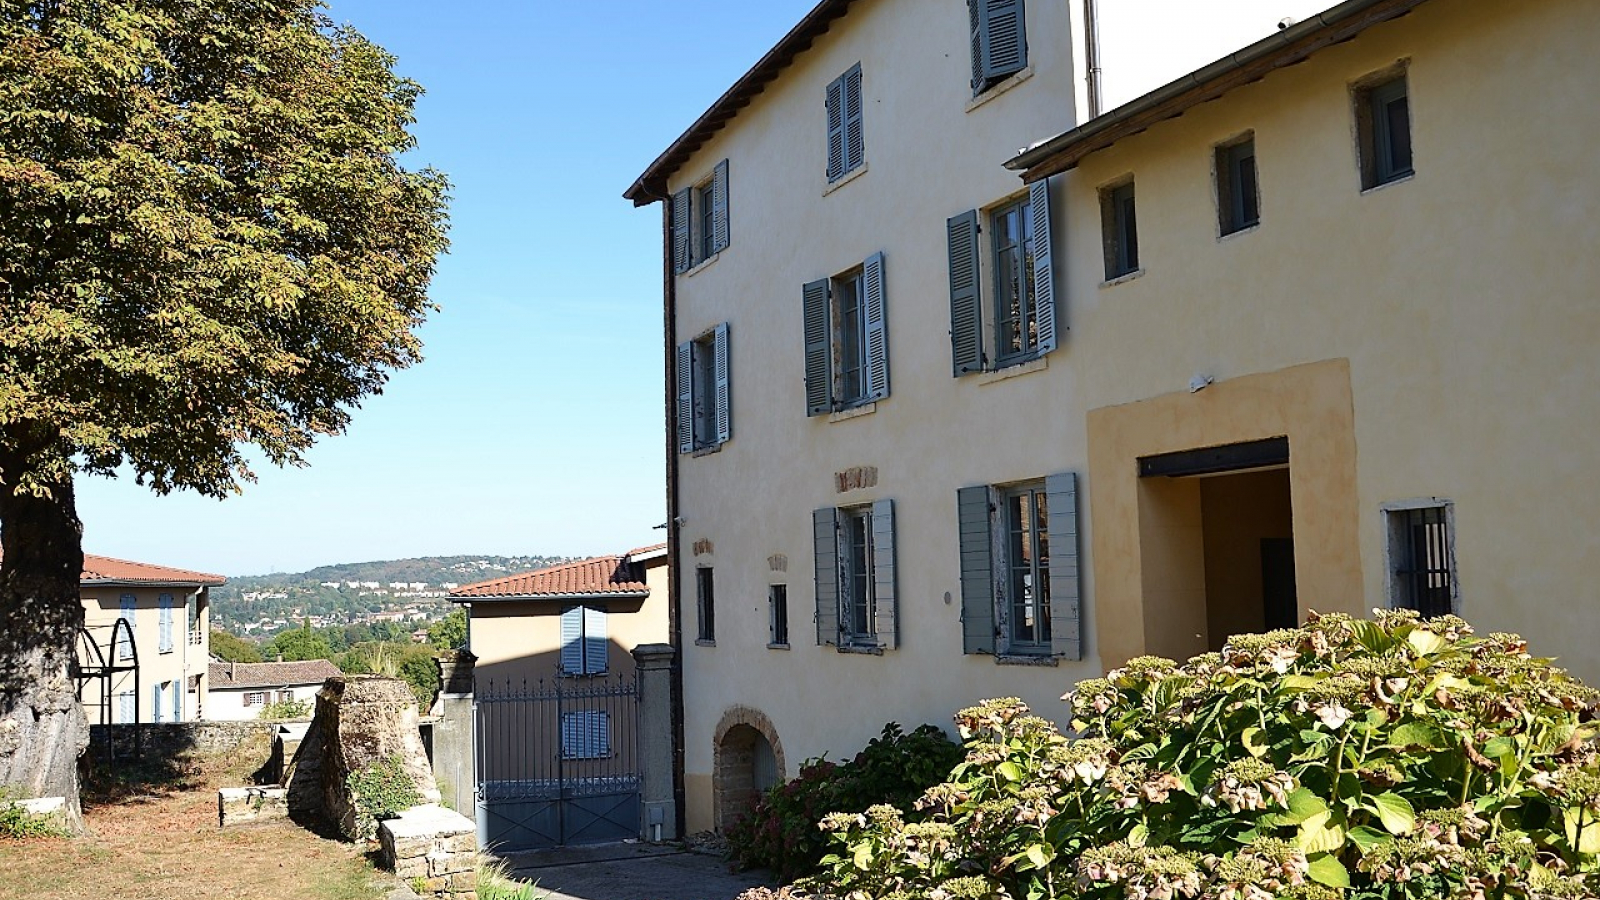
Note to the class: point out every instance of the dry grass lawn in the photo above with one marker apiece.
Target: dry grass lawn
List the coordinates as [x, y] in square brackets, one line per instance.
[154, 834]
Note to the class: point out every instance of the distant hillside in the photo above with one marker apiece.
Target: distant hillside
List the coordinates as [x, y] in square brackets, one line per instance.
[353, 592]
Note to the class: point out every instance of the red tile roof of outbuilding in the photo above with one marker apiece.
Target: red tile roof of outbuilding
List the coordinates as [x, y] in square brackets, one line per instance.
[601, 576]
[270, 674]
[105, 570]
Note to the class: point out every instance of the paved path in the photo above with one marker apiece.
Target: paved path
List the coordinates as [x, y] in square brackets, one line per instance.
[631, 872]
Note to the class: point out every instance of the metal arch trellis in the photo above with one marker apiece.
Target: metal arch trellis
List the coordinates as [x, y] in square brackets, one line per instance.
[90, 664]
[557, 761]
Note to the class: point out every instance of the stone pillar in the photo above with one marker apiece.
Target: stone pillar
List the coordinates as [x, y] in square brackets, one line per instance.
[654, 665]
[454, 761]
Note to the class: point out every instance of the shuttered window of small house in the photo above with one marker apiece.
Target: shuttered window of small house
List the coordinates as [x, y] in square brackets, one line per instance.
[999, 41]
[165, 604]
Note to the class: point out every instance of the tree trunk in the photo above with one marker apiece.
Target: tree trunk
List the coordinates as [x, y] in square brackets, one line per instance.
[42, 726]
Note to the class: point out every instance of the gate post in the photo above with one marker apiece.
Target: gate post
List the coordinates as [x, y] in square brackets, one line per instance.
[654, 665]
[453, 756]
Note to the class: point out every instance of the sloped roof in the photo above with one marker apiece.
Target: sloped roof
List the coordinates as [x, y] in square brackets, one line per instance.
[652, 184]
[105, 570]
[270, 674]
[600, 576]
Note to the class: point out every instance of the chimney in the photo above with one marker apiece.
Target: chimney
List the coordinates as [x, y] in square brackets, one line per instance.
[233, 670]
[280, 657]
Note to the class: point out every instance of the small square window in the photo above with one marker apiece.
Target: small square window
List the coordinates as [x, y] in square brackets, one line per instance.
[1383, 123]
[706, 603]
[1422, 553]
[778, 613]
[1120, 229]
[1238, 204]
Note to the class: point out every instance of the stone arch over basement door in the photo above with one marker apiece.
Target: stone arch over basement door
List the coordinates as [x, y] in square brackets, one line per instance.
[748, 759]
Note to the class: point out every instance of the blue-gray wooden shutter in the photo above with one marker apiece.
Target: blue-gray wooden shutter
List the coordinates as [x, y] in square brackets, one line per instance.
[595, 642]
[825, 540]
[719, 346]
[966, 303]
[835, 105]
[600, 732]
[977, 569]
[885, 601]
[685, 377]
[876, 313]
[177, 700]
[1002, 44]
[572, 641]
[165, 632]
[681, 257]
[819, 343]
[155, 702]
[975, 19]
[855, 147]
[1066, 628]
[126, 708]
[128, 604]
[1044, 278]
[719, 208]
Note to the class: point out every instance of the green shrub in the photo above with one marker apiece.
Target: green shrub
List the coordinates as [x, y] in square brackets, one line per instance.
[782, 832]
[1345, 759]
[16, 823]
[285, 710]
[381, 790]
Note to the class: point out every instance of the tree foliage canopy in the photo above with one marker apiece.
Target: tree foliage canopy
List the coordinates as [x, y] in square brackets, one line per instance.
[450, 632]
[207, 239]
[229, 647]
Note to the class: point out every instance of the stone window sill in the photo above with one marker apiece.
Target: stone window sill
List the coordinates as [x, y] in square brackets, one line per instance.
[1000, 87]
[854, 412]
[1012, 659]
[1015, 370]
[701, 266]
[1122, 279]
[777, 646]
[867, 649]
[845, 179]
[702, 642]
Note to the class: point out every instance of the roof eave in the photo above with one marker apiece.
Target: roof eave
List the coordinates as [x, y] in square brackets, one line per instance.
[136, 582]
[1288, 47]
[651, 186]
[610, 595]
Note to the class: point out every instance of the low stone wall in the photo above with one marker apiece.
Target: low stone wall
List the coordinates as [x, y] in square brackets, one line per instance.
[238, 805]
[434, 849]
[171, 738]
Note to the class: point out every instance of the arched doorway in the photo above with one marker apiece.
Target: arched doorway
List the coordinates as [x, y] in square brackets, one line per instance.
[748, 761]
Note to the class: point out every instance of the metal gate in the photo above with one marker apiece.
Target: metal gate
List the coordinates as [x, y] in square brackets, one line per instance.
[557, 762]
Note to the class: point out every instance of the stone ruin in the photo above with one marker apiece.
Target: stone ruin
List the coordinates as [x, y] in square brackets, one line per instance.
[360, 721]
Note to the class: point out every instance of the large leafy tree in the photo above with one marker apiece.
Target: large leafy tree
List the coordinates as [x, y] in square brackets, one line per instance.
[207, 243]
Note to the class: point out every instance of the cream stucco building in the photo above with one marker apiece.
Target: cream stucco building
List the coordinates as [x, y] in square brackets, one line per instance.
[1314, 327]
[154, 667]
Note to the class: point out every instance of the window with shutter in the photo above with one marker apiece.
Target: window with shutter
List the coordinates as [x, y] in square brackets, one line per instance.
[847, 148]
[156, 696]
[700, 227]
[704, 418]
[1022, 314]
[1019, 568]
[846, 339]
[128, 604]
[855, 567]
[825, 552]
[165, 606]
[585, 734]
[126, 711]
[999, 41]
[596, 643]
[682, 239]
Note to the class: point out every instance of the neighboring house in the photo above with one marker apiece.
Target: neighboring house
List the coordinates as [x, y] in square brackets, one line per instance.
[578, 618]
[169, 611]
[946, 435]
[240, 690]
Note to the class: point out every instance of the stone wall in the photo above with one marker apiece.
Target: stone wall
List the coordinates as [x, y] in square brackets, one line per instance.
[169, 739]
[453, 764]
[434, 849]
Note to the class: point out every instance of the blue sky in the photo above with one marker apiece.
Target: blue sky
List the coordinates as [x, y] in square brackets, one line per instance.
[535, 422]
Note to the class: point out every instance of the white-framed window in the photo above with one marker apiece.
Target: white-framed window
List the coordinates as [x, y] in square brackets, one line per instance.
[586, 734]
[1019, 568]
[256, 698]
[165, 629]
[700, 228]
[584, 644]
[999, 41]
[846, 338]
[704, 415]
[1422, 556]
[855, 577]
[847, 146]
[1020, 321]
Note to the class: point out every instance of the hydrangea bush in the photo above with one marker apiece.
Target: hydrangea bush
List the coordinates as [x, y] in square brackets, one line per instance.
[1348, 758]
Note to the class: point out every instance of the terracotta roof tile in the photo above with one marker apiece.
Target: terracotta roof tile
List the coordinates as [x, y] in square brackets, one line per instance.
[104, 569]
[270, 674]
[600, 576]
[645, 551]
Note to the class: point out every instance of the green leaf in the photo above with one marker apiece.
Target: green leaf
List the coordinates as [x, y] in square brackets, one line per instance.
[1371, 635]
[1039, 856]
[1138, 834]
[1415, 734]
[1254, 743]
[1303, 805]
[1583, 829]
[1327, 870]
[1426, 642]
[1009, 771]
[1500, 746]
[863, 857]
[1395, 811]
[1366, 837]
[1298, 682]
[1321, 833]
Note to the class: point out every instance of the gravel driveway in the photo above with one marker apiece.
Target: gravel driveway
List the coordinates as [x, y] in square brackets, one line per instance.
[631, 872]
